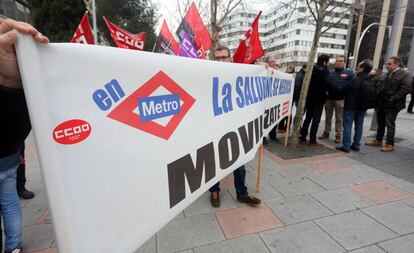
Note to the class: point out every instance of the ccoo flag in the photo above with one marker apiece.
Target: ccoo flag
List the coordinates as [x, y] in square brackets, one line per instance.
[166, 42]
[187, 47]
[250, 47]
[125, 39]
[83, 33]
[194, 26]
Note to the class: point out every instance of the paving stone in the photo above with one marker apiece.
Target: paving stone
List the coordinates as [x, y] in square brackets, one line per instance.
[365, 174]
[404, 244]
[246, 220]
[295, 210]
[203, 205]
[355, 229]
[37, 237]
[330, 165]
[267, 193]
[297, 187]
[193, 231]
[397, 169]
[300, 238]
[148, 247]
[381, 192]
[409, 201]
[48, 250]
[397, 216]
[294, 171]
[342, 200]
[245, 244]
[31, 214]
[332, 180]
[402, 184]
[370, 249]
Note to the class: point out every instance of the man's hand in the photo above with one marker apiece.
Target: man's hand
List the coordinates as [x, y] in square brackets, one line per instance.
[9, 71]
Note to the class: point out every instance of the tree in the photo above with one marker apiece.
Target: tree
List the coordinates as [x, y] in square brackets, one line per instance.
[325, 15]
[57, 19]
[135, 16]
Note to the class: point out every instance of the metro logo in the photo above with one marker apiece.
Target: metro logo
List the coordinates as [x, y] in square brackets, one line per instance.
[158, 106]
[177, 103]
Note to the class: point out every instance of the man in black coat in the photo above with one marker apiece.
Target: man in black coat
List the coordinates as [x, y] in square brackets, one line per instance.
[392, 99]
[317, 95]
[354, 110]
[411, 105]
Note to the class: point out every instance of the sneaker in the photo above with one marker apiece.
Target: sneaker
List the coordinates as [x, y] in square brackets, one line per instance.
[324, 136]
[338, 139]
[354, 148]
[249, 199]
[387, 148]
[374, 143]
[25, 194]
[315, 145]
[215, 199]
[342, 149]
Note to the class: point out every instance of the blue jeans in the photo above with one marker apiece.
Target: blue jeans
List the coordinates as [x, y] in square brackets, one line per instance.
[10, 208]
[349, 118]
[239, 180]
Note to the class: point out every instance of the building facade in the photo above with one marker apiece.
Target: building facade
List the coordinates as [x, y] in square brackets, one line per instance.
[287, 34]
[15, 9]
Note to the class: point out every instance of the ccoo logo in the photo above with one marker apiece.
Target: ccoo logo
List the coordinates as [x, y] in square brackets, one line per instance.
[72, 131]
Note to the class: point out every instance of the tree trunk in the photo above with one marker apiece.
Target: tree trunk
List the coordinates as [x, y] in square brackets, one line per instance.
[307, 78]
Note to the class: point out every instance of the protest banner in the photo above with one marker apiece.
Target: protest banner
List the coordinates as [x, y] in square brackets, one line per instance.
[128, 139]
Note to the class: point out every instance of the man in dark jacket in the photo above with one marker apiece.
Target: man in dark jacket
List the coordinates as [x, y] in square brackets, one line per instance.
[354, 110]
[316, 98]
[411, 105]
[298, 84]
[392, 99]
[14, 129]
[337, 79]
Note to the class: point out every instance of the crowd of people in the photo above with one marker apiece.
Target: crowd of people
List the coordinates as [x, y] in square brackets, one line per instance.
[339, 90]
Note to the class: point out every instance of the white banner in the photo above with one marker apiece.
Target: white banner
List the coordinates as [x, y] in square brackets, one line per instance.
[128, 139]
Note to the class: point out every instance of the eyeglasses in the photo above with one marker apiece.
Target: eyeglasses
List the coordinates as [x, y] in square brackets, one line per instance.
[221, 58]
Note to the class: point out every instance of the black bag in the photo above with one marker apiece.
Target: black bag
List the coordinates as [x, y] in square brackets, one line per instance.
[370, 90]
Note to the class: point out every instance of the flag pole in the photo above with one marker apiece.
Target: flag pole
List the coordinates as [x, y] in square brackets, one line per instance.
[259, 168]
[95, 30]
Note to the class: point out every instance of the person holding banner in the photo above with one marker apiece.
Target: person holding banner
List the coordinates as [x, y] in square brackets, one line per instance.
[13, 131]
[222, 53]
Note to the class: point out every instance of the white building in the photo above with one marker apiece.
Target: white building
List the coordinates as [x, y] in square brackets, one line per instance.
[287, 35]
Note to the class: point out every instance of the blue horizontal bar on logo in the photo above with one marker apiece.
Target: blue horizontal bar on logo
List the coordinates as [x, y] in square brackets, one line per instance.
[157, 107]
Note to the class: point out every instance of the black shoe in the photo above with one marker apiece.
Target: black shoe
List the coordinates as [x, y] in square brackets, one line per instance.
[274, 139]
[265, 141]
[25, 194]
[410, 112]
[354, 148]
[249, 199]
[342, 149]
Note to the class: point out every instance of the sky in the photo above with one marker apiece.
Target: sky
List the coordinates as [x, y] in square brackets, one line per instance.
[167, 9]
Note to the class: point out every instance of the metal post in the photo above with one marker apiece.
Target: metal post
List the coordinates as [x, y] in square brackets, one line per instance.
[358, 33]
[397, 27]
[381, 33]
[95, 29]
[348, 35]
[410, 64]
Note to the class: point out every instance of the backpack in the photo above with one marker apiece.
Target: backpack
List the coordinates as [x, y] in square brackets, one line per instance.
[370, 90]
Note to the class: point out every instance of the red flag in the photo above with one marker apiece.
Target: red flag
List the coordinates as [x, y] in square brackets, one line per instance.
[194, 26]
[166, 41]
[250, 47]
[126, 39]
[84, 32]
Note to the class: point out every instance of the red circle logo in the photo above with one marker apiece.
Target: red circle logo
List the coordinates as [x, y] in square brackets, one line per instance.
[72, 131]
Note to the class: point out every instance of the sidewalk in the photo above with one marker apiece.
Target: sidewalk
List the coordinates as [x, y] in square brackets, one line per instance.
[361, 202]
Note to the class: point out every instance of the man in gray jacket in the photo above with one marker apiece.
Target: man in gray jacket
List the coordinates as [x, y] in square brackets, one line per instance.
[396, 86]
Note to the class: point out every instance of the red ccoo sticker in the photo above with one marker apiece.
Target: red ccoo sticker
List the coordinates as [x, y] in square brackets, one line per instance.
[72, 132]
